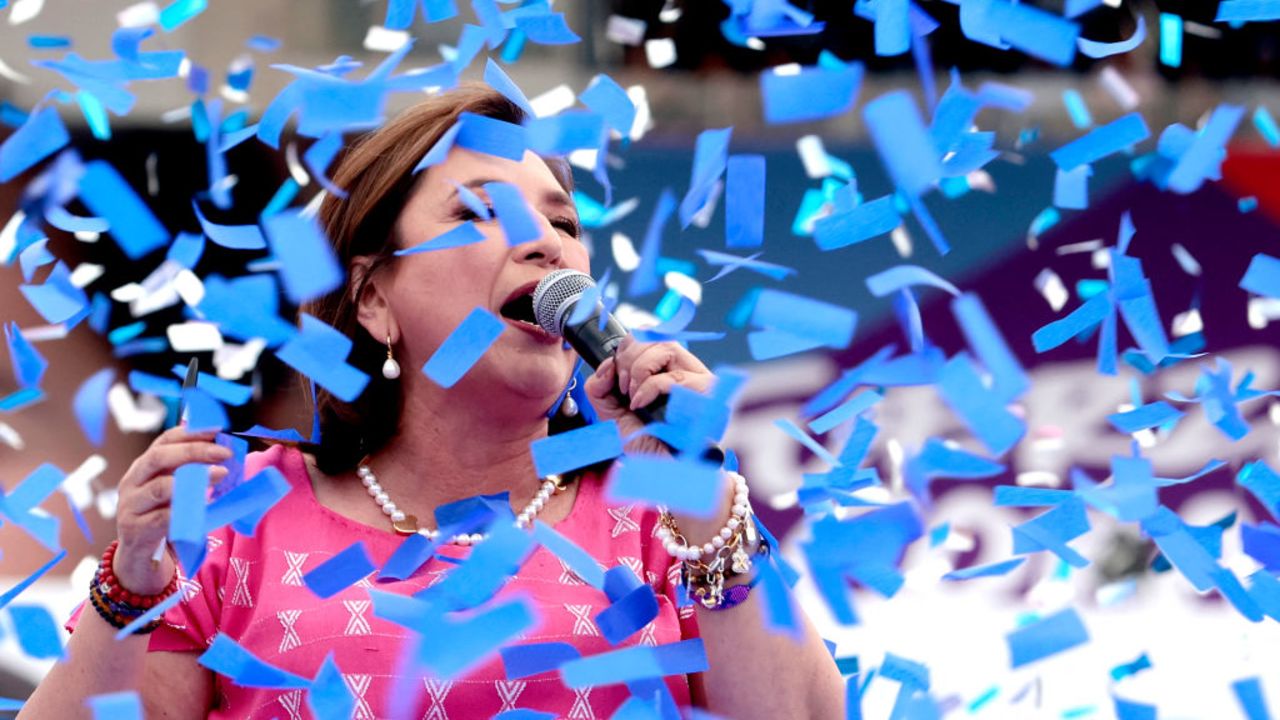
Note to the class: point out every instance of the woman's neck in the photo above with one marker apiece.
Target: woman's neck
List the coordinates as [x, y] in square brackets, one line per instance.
[430, 463]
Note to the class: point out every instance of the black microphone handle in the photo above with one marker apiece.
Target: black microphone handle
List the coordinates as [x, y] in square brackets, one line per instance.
[595, 345]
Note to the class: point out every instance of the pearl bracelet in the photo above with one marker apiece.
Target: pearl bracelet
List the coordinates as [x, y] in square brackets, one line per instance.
[706, 567]
[675, 543]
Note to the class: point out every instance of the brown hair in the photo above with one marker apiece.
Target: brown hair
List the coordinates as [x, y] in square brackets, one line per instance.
[377, 172]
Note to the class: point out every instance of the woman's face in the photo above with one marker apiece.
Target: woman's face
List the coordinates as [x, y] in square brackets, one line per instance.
[430, 293]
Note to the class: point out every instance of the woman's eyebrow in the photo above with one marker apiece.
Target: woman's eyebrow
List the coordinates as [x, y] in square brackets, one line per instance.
[551, 197]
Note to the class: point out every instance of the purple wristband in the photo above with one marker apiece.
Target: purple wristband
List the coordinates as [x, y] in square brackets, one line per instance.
[736, 595]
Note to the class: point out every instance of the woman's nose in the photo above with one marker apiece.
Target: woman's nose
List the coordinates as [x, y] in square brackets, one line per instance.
[547, 249]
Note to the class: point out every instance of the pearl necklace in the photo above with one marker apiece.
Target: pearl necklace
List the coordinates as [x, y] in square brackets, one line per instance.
[405, 524]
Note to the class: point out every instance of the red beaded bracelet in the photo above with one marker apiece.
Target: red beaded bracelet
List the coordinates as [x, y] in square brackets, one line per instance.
[111, 589]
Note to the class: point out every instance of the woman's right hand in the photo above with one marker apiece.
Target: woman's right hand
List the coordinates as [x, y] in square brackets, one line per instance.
[142, 515]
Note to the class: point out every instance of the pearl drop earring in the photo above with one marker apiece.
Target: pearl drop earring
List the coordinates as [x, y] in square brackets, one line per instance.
[570, 406]
[390, 368]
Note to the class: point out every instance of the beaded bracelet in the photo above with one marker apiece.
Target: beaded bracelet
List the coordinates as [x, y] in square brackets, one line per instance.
[118, 606]
[706, 567]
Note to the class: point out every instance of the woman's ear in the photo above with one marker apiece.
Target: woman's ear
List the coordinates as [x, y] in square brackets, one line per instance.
[373, 308]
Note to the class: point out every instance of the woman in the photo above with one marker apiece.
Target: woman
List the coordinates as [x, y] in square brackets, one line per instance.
[417, 446]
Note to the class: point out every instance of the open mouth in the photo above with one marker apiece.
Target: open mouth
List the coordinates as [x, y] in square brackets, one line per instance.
[520, 309]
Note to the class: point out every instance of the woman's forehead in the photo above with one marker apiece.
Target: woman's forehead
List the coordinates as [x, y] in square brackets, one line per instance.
[471, 168]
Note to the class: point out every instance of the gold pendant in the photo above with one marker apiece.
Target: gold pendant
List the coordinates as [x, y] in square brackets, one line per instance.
[407, 526]
[741, 561]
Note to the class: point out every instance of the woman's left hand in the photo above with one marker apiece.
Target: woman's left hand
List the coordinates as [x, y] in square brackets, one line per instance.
[643, 371]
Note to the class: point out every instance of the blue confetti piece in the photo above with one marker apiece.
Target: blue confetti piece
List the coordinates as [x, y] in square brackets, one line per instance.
[522, 661]
[33, 257]
[90, 405]
[412, 554]
[645, 278]
[1094, 49]
[17, 590]
[245, 504]
[1009, 380]
[1076, 108]
[1035, 32]
[187, 515]
[1262, 543]
[820, 323]
[710, 157]
[451, 648]
[235, 237]
[863, 222]
[320, 352]
[28, 364]
[1047, 636]
[1081, 320]
[490, 136]
[568, 131]
[1147, 416]
[1129, 710]
[524, 714]
[546, 28]
[847, 410]
[464, 234]
[108, 196]
[684, 486]
[1239, 11]
[1204, 156]
[1170, 39]
[1102, 141]
[186, 250]
[996, 569]
[815, 93]
[179, 12]
[438, 10]
[627, 615]
[495, 78]
[1249, 690]
[339, 572]
[1266, 125]
[1263, 483]
[903, 142]
[799, 436]
[982, 410]
[123, 705]
[899, 277]
[744, 200]
[1071, 189]
[635, 663]
[308, 267]
[41, 135]
[578, 560]
[517, 220]
[463, 348]
[605, 96]
[37, 632]
[892, 32]
[203, 411]
[227, 658]
[1052, 531]
[156, 611]
[400, 14]
[329, 697]
[558, 454]
[728, 263]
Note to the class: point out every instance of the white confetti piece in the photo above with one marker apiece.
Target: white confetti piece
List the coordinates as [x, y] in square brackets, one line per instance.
[10, 437]
[24, 10]
[1087, 246]
[1262, 310]
[86, 273]
[1185, 260]
[554, 101]
[1119, 89]
[901, 242]
[625, 30]
[660, 52]
[9, 236]
[79, 482]
[296, 171]
[39, 333]
[813, 156]
[233, 360]
[142, 14]
[153, 176]
[194, 336]
[1051, 287]
[644, 115]
[380, 39]
[702, 218]
[1187, 323]
[146, 413]
[624, 252]
[685, 285]
[13, 75]
[189, 287]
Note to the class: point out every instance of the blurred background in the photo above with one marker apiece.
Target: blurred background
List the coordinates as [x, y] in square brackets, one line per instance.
[674, 57]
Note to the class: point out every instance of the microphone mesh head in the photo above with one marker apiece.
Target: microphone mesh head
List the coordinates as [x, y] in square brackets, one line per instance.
[555, 294]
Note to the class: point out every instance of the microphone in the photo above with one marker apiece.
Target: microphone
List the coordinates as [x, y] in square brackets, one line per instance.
[554, 301]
